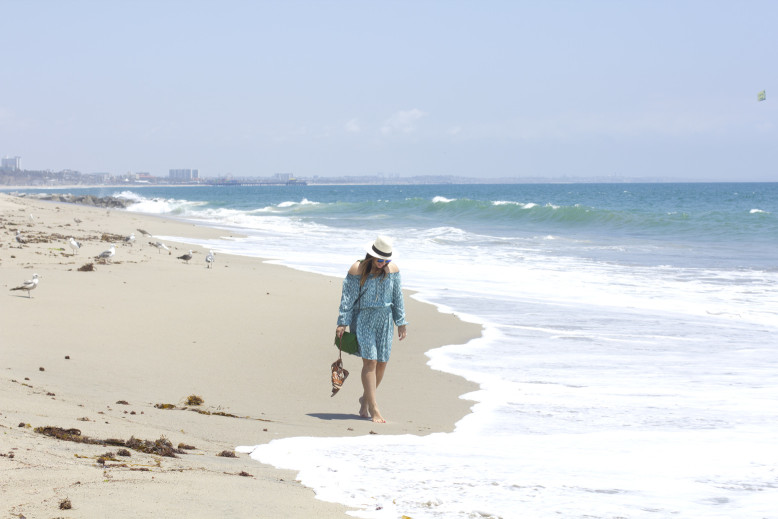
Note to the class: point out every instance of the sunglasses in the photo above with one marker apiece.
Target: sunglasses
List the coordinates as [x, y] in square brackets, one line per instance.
[382, 261]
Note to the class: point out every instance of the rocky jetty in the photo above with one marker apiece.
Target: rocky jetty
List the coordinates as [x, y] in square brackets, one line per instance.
[94, 201]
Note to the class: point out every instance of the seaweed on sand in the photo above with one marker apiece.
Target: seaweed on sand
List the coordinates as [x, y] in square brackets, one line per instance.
[108, 456]
[215, 413]
[228, 415]
[71, 435]
[160, 447]
[113, 238]
[194, 400]
[227, 454]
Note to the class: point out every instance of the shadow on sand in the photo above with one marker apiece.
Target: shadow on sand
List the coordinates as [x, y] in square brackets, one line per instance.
[336, 416]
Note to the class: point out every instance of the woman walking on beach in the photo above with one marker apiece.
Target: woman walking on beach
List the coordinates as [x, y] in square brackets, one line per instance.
[371, 304]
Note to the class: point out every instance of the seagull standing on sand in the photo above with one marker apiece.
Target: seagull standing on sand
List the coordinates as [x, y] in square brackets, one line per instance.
[76, 220]
[75, 245]
[186, 257]
[159, 245]
[209, 259]
[130, 240]
[19, 239]
[28, 285]
[107, 255]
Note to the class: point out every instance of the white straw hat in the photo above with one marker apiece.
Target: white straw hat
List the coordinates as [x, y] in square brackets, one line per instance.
[381, 248]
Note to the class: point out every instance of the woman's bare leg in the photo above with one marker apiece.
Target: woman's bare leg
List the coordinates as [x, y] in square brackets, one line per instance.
[379, 373]
[372, 374]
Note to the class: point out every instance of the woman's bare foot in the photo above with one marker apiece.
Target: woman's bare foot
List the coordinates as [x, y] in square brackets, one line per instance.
[375, 415]
[363, 412]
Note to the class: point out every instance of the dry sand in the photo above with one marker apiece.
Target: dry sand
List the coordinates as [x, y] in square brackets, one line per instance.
[253, 340]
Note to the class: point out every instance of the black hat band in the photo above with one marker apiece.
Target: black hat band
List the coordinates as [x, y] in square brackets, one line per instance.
[382, 254]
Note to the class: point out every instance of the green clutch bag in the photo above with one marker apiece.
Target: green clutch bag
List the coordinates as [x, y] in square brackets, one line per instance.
[348, 343]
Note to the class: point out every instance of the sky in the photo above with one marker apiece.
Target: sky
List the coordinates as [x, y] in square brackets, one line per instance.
[485, 89]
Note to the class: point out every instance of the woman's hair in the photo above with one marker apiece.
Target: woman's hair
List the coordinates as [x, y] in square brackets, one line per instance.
[364, 269]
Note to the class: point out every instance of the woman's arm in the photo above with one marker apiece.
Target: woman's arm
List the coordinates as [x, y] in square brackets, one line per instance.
[349, 294]
[398, 304]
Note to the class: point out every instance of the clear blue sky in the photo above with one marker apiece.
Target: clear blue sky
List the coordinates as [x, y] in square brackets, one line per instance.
[478, 88]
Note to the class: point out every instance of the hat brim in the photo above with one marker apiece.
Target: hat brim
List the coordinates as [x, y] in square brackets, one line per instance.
[373, 253]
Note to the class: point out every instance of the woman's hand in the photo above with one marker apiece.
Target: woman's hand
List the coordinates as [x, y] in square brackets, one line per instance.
[401, 332]
[339, 331]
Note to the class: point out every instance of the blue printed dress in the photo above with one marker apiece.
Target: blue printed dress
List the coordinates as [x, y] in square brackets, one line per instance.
[371, 318]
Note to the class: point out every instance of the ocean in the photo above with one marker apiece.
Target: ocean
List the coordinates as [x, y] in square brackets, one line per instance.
[628, 365]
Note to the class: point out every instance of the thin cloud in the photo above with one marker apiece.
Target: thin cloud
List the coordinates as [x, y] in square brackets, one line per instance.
[353, 126]
[403, 121]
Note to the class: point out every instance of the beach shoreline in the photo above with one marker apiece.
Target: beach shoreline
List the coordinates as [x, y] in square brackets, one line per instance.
[100, 351]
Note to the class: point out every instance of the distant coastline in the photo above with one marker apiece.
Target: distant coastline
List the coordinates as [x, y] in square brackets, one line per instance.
[369, 181]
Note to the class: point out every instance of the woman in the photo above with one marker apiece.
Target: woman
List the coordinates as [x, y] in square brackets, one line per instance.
[371, 303]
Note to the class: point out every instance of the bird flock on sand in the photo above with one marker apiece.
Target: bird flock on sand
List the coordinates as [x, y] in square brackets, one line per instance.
[104, 257]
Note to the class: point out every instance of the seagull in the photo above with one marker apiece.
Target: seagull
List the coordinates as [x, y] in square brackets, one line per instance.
[28, 285]
[209, 259]
[76, 220]
[19, 239]
[75, 245]
[107, 254]
[130, 239]
[159, 245]
[186, 257]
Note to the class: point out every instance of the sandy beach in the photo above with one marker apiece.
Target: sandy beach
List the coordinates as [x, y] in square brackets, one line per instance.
[116, 351]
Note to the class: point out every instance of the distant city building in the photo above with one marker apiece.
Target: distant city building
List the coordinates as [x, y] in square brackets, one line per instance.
[184, 175]
[12, 163]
